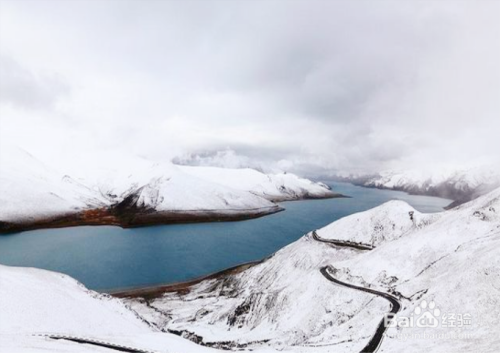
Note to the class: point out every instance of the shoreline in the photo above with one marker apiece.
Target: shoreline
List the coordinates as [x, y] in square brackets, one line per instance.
[156, 291]
[105, 217]
[133, 218]
[453, 202]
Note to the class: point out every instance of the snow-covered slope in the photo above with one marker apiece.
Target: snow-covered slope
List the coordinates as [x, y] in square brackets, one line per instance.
[30, 190]
[274, 187]
[165, 187]
[287, 303]
[451, 258]
[134, 191]
[36, 304]
[389, 221]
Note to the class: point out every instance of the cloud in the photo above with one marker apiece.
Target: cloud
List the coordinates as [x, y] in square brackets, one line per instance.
[24, 89]
[225, 159]
[312, 87]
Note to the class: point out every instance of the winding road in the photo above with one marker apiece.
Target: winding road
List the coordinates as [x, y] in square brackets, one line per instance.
[374, 344]
[343, 243]
[94, 342]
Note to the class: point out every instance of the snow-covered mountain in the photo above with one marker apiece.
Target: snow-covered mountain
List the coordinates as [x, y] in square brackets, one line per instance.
[319, 294]
[274, 187]
[135, 191]
[450, 259]
[30, 189]
[36, 305]
[459, 185]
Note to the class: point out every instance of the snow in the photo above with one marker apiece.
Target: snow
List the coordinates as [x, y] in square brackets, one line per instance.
[180, 192]
[59, 302]
[31, 190]
[451, 258]
[458, 178]
[456, 260]
[284, 303]
[458, 184]
[284, 186]
[386, 222]
[34, 302]
[170, 187]
[290, 303]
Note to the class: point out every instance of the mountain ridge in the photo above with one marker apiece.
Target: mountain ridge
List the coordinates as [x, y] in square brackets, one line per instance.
[138, 192]
[459, 185]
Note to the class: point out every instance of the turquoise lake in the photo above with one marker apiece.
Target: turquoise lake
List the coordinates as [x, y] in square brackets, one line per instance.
[105, 257]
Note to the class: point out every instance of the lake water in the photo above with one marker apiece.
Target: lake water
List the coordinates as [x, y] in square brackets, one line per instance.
[106, 257]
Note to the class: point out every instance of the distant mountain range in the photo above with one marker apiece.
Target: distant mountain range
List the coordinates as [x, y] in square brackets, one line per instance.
[458, 185]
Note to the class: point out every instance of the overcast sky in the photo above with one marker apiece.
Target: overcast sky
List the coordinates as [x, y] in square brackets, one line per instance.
[306, 86]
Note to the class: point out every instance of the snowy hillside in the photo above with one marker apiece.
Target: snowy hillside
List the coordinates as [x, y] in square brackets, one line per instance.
[274, 187]
[319, 294]
[135, 191]
[36, 305]
[459, 185]
[451, 259]
[29, 189]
